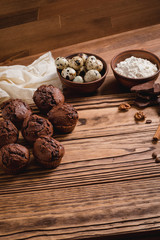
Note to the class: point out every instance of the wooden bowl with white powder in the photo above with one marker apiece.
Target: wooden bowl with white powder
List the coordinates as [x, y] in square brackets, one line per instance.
[134, 67]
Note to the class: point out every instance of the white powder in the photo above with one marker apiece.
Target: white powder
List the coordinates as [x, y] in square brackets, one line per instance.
[136, 68]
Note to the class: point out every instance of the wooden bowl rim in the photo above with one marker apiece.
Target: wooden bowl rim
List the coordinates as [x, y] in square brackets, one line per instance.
[86, 83]
[135, 79]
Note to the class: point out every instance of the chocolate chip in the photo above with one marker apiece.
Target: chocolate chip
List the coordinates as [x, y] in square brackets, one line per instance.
[40, 120]
[154, 155]
[157, 160]
[148, 121]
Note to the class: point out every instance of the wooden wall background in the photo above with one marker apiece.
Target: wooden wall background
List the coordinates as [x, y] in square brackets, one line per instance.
[28, 27]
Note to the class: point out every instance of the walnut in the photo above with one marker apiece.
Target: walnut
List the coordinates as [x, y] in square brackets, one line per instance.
[124, 107]
[139, 116]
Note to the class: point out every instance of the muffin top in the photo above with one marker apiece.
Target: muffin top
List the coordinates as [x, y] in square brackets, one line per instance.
[47, 96]
[16, 111]
[8, 132]
[13, 157]
[47, 149]
[35, 126]
[63, 114]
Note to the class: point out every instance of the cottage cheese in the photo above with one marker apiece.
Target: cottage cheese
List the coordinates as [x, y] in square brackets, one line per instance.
[134, 67]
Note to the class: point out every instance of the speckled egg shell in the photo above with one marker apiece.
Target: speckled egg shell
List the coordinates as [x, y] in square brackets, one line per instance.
[84, 57]
[92, 75]
[99, 65]
[82, 71]
[61, 62]
[68, 73]
[78, 79]
[95, 65]
[76, 62]
[91, 62]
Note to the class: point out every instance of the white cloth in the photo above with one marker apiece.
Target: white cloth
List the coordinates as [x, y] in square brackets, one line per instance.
[20, 81]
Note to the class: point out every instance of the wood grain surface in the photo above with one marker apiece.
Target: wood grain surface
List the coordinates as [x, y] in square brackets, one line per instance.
[107, 183]
[34, 26]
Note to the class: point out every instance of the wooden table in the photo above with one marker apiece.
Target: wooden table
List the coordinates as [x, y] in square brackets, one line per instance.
[108, 184]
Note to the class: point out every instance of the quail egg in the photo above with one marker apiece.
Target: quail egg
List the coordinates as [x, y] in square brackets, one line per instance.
[91, 62]
[82, 71]
[84, 57]
[61, 62]
[68, 73]
[92, 75]
[78, 79]
[99, 65]
[76, 62]
[95, 64]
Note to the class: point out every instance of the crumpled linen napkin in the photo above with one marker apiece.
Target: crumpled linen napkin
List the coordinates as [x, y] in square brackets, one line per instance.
[20, 81]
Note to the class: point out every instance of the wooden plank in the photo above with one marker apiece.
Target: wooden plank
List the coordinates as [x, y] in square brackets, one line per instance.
[21, 37]
[107, 183]
[135, 19]
[111, 8]
[18, 18]
[11, 6]
[61, 23]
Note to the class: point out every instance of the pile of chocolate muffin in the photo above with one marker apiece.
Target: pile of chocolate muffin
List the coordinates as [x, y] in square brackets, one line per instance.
[36, 130]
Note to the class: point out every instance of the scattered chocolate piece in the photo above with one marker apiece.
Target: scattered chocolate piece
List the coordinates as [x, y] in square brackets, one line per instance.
[148, 121]
[141, 103]
[158, 100]
[139, 116]
[154, 155]
[143, 100]
[147, 94]
[148, 87]
[124, 107]
[157, 159]
[144, 96]
[156, 88]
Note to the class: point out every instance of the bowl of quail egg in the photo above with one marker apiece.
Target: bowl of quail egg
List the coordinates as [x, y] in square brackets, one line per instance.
[82, 72]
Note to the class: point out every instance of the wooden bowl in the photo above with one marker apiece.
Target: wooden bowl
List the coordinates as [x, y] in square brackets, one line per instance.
[87, 87]
[130, 82]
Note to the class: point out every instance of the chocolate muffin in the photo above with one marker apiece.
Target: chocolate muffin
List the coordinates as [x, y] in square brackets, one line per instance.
[63, 117]
[14, 158]
[16, 111]
[48, 152]
[8, 133]
[46, 97]
[35, 126]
